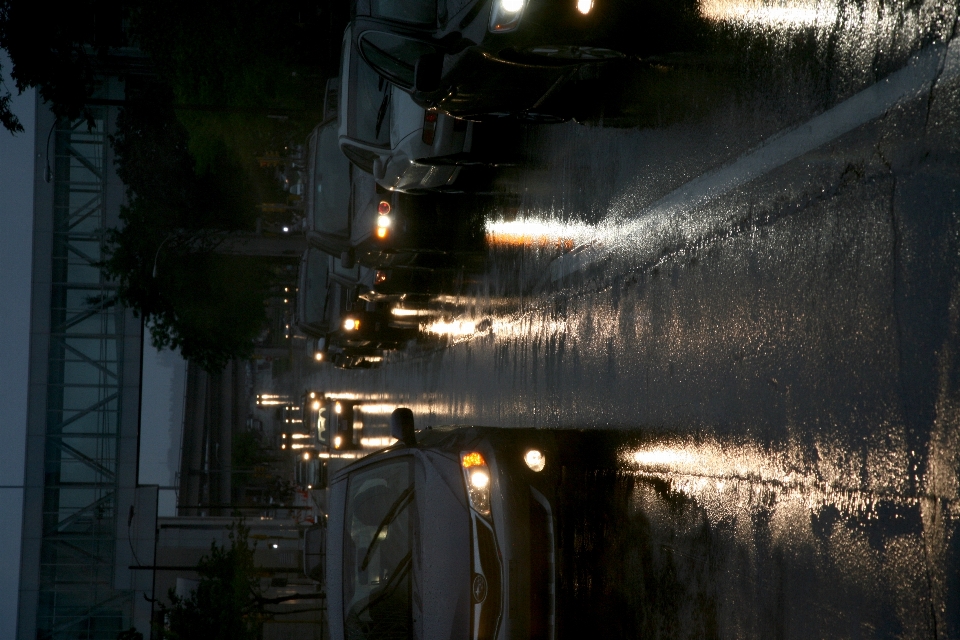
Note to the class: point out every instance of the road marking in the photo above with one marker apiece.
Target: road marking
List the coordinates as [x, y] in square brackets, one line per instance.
[938, 62]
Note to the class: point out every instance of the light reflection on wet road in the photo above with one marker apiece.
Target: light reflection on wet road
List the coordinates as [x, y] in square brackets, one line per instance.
[770, 301]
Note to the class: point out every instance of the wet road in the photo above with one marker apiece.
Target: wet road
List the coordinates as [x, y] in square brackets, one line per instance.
[750, 257]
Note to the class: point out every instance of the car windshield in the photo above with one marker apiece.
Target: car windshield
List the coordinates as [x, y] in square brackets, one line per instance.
[421, 12]
[392, 55]
[378, 551]
[331, 184]
[370, 112]
[314, 287]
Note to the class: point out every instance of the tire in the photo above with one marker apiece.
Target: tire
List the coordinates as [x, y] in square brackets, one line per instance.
[572, 54]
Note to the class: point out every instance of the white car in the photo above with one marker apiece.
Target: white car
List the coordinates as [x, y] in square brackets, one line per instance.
[384, 132]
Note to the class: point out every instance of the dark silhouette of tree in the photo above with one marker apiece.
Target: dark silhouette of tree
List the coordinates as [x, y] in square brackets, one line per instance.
[57, 49]
[163, 256]
[259, 54]
[228, 603]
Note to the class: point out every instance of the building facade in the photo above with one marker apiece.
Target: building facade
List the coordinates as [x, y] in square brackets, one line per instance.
[87, 526]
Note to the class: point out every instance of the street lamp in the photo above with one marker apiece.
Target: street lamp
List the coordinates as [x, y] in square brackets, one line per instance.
[47, 171]
[157, 254]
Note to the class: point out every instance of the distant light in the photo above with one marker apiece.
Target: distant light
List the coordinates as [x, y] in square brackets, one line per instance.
[385, 441]
[337, 441]
[306, 455]
[318, 356]
[283, 446]
[309, 486]
[351, 324]
[584, 6]
[316, 405]
[313, 395]
[286, 229]
[337, 408]
[275, 545]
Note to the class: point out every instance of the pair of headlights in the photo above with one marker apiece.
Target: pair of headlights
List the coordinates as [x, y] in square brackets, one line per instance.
[476, 474]
[505, 15]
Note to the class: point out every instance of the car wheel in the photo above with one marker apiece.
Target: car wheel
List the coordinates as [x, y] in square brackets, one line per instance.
[573, 53]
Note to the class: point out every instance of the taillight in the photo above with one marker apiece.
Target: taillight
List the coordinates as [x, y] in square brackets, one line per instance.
[429, 126]
[383, 208]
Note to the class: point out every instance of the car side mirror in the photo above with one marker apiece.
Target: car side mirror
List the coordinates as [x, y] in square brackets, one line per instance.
[402, 427]
[348, 259]
[378, 169]
[427, 72]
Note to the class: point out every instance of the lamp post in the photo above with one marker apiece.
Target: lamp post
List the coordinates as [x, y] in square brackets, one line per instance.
[156, 255]
[47, 171]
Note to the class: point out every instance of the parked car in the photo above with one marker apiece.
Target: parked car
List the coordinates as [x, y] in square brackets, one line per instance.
[323, 426]
[472, 58]
[328, 294]
[447, 534]
[385, 133]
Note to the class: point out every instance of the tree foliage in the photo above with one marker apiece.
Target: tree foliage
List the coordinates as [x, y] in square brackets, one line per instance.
[225, 603]
[163, 256]
[228, 603]
[241, 54]
[57, 50]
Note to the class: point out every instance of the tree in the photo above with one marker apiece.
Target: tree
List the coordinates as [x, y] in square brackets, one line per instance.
[57, 50]
[163, 256]
[228, 602]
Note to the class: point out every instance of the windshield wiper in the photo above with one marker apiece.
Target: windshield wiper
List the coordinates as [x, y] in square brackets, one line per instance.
[403, 568]
[398, 505]
[382, 113]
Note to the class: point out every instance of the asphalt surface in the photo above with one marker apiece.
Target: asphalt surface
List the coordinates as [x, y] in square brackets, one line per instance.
[749, 257]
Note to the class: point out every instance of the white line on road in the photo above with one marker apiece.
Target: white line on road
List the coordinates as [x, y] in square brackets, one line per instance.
[914, 80]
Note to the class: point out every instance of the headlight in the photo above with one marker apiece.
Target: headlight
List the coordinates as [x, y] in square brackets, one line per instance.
[384, 221]
[505, 15]
[535, 460]
[351, 324]
[477, 477]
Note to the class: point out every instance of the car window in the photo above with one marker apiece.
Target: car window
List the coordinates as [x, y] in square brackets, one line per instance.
[421, 12]
[322, 431]
[393, 56]
[331, 184]
[370, 109]
[378, 551]
[314, 287]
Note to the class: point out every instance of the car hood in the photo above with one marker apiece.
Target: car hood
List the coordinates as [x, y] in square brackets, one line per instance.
[444, 577]
[406, 118]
